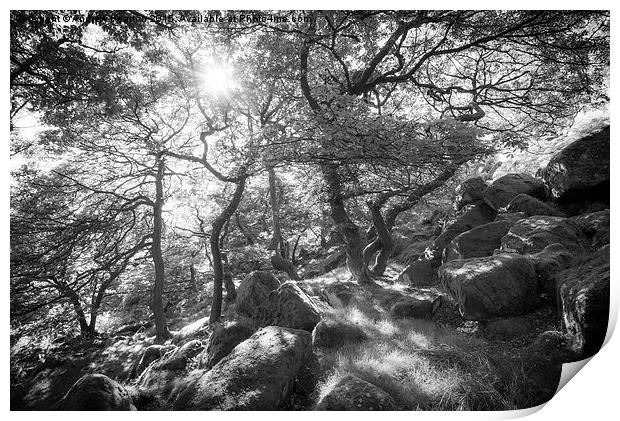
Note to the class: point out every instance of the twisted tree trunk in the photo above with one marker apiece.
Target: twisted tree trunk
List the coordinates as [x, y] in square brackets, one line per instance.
[382, 227]
[216, 253]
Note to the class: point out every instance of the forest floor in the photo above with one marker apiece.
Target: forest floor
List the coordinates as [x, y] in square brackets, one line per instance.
[445, 363]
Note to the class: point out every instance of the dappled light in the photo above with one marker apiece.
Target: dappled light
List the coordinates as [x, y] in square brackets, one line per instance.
[335, 210]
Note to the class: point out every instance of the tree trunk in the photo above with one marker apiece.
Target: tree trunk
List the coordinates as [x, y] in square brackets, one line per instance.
[385, 239]
[216, 253]
[161, 327]
[192, 277]
[74, 298]
[383, 227]
[276, 242]
[96, 304]
[345, 226]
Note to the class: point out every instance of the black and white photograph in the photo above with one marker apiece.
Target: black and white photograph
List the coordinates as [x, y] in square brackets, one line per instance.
[301, 210]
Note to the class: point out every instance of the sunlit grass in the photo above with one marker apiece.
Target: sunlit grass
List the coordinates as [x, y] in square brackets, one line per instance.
[421, 365]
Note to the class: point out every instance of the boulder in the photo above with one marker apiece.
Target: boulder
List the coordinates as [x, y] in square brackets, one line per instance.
[469, 192]
[152, 353]
[416, 308]
[54, 378]
[485, 288]
[547, 263]
[351, 393]
[418, 273]
[480, 241]
[259, 374]
[506, 188]
[584, 298]
[531, 206]
[253, 294]
[472, 217]
[513, 218]
[339, 294]
[291, 307]
[533, 234]
[596, 227]
[225, 337]
[96, 392]
[579, 174]
[178, 358]
[333, 333]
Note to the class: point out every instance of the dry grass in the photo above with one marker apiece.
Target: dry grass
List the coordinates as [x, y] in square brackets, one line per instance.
[421, 365]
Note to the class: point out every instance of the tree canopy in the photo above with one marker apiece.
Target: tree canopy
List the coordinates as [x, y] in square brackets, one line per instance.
[174, 142]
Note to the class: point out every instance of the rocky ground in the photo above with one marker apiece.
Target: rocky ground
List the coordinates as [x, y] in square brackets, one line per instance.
[480, 316]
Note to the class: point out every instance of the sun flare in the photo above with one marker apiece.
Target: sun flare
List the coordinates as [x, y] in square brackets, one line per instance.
[218, 79]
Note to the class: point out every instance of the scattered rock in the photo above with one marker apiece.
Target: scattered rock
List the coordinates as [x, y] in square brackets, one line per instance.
[480, 241]
[504, 189]
[418, 273]
[259, 374]
[152, 353]
[533, 234]
[471, 217]
[225, 337]
[96, 392]
[596, 227]
[468, 192]
[339, 294]
[253, 295]
[579, 173]
[416, 308]
[291, 307]
[531, 206]
[547, 263]
[178, 358]
[489, 287]
[513, 218]
[354, 394]
[583, 290]
[332, 333]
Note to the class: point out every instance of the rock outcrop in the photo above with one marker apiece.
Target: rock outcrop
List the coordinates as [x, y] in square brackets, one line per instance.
[351, 393]
[547, 263]
[423, 307]
[584, 297]
[334, 333]
[480, 241]
[253, 294]
[291, 307]
[225, 337]
[596, 227]
[259, 374]
[533, 234]
[531, 206]
[418, 273]
[503, 285]
[506, 188]
[472, 217]
[579, 174]
[96, 392]
[469, 192]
